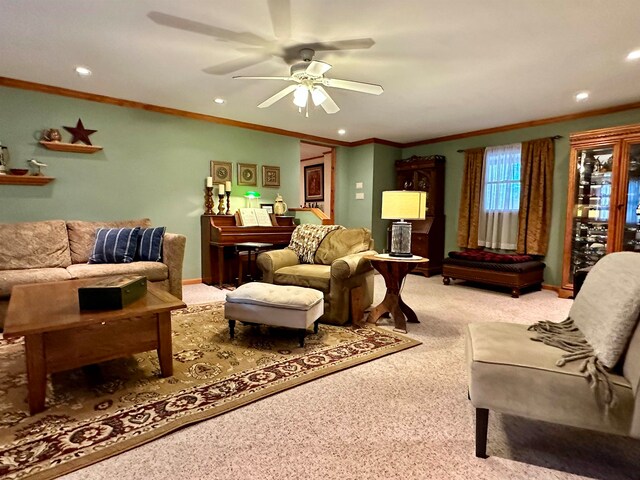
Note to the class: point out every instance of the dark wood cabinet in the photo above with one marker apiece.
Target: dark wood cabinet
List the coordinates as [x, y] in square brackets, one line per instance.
[427, 236]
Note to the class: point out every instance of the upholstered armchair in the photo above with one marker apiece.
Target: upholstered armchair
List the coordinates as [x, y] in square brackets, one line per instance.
[339, 271]
[569, 383]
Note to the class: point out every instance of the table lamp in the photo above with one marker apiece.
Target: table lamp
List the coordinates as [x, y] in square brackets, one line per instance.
[251, 196]
[401, 205]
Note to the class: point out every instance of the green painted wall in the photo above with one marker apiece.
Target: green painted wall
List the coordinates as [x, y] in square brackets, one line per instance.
[354, 165]
[152, 165]
[384, 178]
[454, 168]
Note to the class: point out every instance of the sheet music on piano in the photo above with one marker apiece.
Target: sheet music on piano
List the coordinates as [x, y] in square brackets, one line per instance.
[254, 217]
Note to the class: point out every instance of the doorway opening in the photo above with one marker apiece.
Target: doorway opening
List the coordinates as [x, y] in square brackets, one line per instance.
[317, 177]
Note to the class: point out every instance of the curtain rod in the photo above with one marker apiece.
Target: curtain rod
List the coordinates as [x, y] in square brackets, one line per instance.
[555, 137]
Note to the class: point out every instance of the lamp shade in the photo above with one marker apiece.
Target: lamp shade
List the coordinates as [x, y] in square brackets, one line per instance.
[404, 204]
[252, 195]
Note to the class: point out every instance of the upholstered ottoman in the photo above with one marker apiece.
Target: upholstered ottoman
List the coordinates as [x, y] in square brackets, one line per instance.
[276, 305]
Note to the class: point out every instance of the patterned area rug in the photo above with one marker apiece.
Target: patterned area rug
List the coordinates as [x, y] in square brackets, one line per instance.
[100, 411]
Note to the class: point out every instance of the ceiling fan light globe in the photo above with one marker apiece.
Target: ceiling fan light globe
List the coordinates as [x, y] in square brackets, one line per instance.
[317, 96]
[300, 96]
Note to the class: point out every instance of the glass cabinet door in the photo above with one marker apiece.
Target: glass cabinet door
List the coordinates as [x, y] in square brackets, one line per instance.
[590, 233]
[631, 229]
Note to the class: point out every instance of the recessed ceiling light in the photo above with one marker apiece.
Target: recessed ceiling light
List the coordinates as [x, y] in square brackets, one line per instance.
[342, 131]
[581, 96]
[83, 71]
[635, 55]
[219, 101]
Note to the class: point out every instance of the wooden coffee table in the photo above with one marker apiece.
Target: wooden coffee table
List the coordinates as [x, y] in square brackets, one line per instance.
[58, 336]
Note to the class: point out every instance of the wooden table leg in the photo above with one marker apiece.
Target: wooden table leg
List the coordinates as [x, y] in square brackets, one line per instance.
[36, 372]
[408, 311]
[165, 350]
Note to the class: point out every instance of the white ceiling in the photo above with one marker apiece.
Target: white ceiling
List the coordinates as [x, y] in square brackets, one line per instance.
[447, 66]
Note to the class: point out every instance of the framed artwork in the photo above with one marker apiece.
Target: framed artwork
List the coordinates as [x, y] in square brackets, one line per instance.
[270, 176]
[247, 174]
[314, 183]
[267, 206]
[221, 171]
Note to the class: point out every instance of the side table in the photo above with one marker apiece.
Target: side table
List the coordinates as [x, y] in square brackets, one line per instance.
[251, 248]
[394, 270]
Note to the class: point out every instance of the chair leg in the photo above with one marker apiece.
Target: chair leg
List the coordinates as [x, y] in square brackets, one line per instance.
[482, 426]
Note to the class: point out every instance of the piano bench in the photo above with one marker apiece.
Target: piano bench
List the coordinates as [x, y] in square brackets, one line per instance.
[276, 305]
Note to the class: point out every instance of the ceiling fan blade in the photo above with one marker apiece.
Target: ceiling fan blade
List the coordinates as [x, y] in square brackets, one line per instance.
[354, 44]
[280, 11]
[240, 77]
[371, 88]
[281, 94]
[329, 105]
[204, 29]
[237, 64]
[317, 68]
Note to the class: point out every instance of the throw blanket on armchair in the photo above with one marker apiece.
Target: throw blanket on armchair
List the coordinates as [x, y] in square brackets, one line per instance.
[306, 239]
[601, 321]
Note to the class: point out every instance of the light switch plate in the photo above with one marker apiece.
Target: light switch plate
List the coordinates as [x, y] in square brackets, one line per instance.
[360, 196]
[359, 185]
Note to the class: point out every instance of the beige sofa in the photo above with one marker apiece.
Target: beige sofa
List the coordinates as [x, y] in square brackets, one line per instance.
[339, 267]
[55, 250]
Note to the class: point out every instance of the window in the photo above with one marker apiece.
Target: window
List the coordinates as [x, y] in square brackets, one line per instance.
[502, 178]
[498, 222]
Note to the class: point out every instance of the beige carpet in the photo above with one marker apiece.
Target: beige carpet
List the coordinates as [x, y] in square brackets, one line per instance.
[405, 416]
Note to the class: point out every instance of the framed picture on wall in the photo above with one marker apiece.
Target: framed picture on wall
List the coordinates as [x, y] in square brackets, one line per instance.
[221, 171]
[270, 176]
[247, 174]
[314, 183]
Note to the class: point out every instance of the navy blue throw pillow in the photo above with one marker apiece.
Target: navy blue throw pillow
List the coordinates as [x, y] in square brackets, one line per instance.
[150, 244]
[115, 245]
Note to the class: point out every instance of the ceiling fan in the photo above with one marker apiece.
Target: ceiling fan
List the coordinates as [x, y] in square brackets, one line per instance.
[258, 49]
[309, 81]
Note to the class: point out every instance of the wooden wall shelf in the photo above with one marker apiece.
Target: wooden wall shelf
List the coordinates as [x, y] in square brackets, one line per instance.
[24, 180]
[70, 147]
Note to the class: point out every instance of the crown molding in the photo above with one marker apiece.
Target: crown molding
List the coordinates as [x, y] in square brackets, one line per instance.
[93, 97]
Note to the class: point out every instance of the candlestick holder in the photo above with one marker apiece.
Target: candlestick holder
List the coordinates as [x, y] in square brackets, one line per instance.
[221, 204]
[228, 212]
[208, 201]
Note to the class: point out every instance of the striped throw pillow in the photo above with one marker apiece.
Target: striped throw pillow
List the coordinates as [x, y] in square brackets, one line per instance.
[115, 245]
[150, 244]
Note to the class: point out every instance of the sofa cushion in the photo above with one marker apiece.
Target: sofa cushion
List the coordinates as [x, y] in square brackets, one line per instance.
[340, 243]
[82, 235]
[34, 245]
[150, 244]
[154, 271]
[607, 308]
[115, 245]
[511, 374]
[9, 278]
[305, 275]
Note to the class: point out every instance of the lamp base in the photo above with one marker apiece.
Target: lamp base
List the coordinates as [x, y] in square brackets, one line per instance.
[400, 239]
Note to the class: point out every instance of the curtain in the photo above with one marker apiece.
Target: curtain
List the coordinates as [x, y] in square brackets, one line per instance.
[470, 197]
[535, 200]
[498, 222]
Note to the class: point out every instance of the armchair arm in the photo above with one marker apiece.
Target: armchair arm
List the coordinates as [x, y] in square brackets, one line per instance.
[273, 260]
[351, 265]
[173, 257]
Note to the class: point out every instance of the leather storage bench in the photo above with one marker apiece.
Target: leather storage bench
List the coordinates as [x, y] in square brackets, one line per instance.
[276, 305]
[513, 271]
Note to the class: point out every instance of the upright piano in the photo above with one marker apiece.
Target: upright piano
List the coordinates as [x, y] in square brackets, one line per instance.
[218, 235]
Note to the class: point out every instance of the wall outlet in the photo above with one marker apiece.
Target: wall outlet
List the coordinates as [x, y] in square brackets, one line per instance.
[360, 196]
[359, 185]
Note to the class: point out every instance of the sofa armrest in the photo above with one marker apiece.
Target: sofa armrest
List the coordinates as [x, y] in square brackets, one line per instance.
[351, 265]
[173, 257]
[273, 260]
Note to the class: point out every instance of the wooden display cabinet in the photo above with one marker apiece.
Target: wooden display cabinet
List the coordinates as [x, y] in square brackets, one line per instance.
[603, 204]
[427, 236]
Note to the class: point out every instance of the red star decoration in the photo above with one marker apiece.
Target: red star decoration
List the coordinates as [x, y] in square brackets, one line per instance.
[80, 134]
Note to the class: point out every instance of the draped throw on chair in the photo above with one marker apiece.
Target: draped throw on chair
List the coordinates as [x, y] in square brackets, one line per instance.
[534, 216]
[470, 198]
